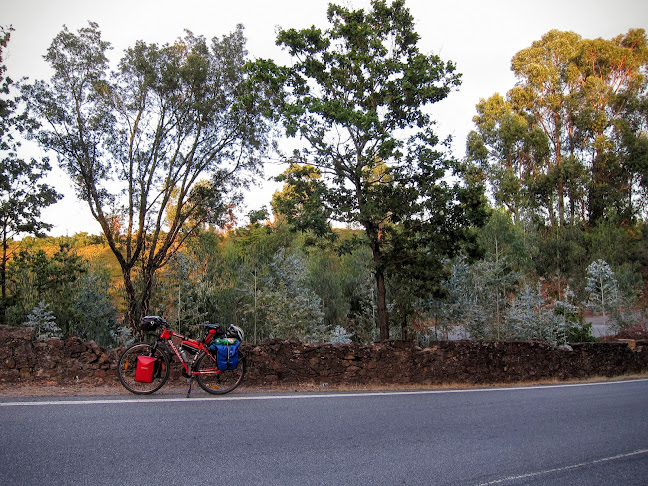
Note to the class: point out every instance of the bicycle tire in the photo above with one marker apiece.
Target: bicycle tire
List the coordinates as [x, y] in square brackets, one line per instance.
[128, 363]
[217, 382]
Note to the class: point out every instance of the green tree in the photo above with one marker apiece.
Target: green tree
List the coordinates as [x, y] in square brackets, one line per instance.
[357, 93]
[631, 141]
[466, 304]
[547, 78]
[530, 316]
[23, 194]
[254, 249]
[568, 142]
[500, 236]
[92, 313]
[158, 148]
[36, 277]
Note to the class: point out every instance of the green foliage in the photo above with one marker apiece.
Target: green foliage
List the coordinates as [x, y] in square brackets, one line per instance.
[258, 216]
[75, 295]
[483, 302]
[290, 308]
[615, 242]
[570, 320]
[457, 307]
[326, 277]
[528, 318]
[269, 281]
[564, 154]
[92, 314]
[501, 236]
[562, 251]
[567, 143]
[345, 286]
[35, 276]
[602, 286]
[302, 200]
[23, 194]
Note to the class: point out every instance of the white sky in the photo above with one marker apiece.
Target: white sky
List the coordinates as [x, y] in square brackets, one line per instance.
[481, 37]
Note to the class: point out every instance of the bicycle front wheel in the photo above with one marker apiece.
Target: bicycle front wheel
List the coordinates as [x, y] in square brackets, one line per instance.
[215, 381]
[127, 367]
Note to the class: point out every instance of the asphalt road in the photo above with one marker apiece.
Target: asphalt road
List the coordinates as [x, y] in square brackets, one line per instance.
[577, 435]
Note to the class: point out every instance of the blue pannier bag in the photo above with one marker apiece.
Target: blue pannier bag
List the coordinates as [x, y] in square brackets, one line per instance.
[226, 352]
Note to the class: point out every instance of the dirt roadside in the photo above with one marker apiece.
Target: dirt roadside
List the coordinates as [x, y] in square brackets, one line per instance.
[80, 389]
[72, 389]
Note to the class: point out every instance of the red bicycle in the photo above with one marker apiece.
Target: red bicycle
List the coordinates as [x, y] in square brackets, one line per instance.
[215, 361]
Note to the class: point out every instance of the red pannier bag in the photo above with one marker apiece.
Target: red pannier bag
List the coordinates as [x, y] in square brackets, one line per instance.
[145, 368]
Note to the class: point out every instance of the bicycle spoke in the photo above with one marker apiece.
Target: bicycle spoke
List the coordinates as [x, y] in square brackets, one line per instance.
[127, 368]
[216, 381]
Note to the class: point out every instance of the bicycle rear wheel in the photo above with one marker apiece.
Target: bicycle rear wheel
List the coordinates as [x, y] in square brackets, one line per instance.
[215, 381]
[127, 367]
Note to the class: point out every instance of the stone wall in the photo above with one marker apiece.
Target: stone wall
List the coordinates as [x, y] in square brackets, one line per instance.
[471, 362]
[24, 359]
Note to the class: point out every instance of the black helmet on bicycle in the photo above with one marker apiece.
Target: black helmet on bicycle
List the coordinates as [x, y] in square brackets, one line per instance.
[151, 323]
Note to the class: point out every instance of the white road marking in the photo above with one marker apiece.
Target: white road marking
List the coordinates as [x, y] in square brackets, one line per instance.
[565, 468]
[307, 395]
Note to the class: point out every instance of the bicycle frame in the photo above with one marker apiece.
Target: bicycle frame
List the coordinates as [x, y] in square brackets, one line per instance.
[198, 346]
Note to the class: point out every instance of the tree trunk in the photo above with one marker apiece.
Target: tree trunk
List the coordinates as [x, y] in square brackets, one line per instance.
[145, 302]
[373, 234]
[404, 332]
[3, 280]
[132, 314]
[596, 198]
[383, 319]
[561, 184]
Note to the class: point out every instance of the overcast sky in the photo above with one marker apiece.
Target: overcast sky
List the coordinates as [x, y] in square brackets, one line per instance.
[480, 37]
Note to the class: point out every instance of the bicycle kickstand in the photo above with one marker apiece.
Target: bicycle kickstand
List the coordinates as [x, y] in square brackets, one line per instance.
[190, 380]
